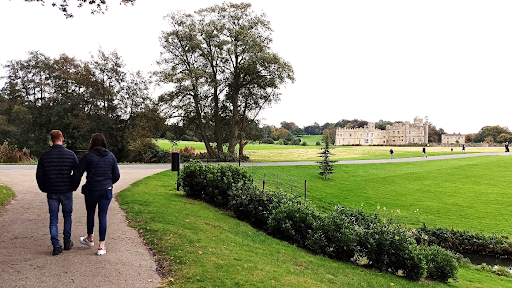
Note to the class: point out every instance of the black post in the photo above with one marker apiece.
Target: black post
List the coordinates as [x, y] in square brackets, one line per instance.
[305, 189]
[175, 166]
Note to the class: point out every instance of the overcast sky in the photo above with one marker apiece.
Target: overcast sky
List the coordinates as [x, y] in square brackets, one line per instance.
[371, 60]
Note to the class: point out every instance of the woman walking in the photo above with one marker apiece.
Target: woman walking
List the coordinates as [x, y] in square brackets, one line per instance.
[102, 173]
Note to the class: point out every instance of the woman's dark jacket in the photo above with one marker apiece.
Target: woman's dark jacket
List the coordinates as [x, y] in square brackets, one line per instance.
[53, 173]
[101, 167]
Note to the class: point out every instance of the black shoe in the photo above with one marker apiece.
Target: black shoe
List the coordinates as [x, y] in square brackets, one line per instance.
[68, 245]
[56, 251]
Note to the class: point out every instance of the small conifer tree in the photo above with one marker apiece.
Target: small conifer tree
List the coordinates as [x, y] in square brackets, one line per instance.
[326, 165]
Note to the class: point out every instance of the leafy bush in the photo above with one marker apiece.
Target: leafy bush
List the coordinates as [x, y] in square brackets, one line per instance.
[293, 221]
[304, 144]
[464, 241]
[254, 206]
[334, 236]
[441, 264]
[213, 183]
[318, 143]
[268, 141]
[295, 141]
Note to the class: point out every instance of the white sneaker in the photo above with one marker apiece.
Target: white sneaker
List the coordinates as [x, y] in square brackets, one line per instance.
[86, 242]
[102, 251]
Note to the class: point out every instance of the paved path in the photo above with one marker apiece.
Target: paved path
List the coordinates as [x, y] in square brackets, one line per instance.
[25, 247]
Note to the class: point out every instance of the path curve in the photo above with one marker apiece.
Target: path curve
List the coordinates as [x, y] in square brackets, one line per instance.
[25, 247]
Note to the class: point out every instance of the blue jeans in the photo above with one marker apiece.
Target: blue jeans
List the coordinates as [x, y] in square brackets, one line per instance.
[100, 198]
[54, 203]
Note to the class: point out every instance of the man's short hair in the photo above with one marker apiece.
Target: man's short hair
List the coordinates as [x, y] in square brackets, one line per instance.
[56, 135]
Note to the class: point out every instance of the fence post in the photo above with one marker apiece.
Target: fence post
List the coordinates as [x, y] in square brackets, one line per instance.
[264, 175]
[305, 189]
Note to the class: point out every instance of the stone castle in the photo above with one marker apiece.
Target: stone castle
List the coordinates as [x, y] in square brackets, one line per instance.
[400, 133]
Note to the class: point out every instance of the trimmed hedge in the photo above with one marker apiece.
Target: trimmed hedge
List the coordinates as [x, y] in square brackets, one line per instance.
[213, 184]
[343, 234]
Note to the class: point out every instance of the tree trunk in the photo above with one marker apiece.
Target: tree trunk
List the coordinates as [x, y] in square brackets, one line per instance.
[241, 146]
[202, 129]
[216, 112]
[235, 120]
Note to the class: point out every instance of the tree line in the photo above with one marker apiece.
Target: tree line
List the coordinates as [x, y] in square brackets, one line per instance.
[80, 98]
[218, 62]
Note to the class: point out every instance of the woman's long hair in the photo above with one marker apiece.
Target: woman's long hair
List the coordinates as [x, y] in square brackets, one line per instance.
[97, 140]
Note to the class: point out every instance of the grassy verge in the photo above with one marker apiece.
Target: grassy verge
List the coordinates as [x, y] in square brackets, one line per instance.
[273, 153]
[201, 246]
[6, 194]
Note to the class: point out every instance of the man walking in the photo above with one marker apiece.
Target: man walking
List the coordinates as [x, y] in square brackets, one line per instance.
[53, 177]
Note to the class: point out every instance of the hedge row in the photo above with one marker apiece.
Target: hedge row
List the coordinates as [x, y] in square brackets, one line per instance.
[343, 234]
[465, 242]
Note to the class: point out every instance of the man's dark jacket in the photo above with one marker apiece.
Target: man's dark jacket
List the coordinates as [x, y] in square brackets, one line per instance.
[101, 167]
[54, 169]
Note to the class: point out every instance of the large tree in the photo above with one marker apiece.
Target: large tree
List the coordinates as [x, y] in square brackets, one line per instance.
[222, 67]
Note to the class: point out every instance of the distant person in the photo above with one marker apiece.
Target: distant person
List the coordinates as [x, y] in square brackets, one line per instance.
[53, 175]
[451, 150]
[102, 173]
[392, 153]
[506, 147]
[424, 150]
[463, 148]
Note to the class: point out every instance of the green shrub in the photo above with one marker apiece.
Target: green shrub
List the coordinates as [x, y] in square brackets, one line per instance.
[295, 141]
[304, 144]
[293, 221]
[213, 183]
[465, 242]
[254, 206]
[193, 179]
[268, 141]
[334, 236]
[318, 143]
[441, 264]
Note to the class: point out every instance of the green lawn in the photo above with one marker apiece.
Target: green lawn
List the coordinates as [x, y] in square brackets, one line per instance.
[470, 193]
[6, 194]
[275, 153]
[311, 139]
[205, 247]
